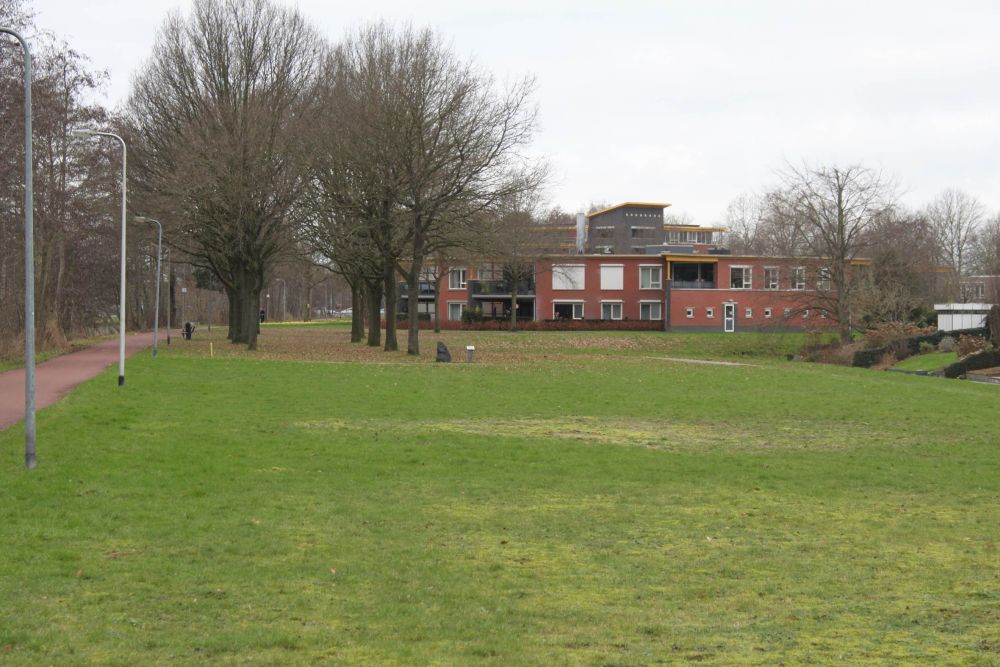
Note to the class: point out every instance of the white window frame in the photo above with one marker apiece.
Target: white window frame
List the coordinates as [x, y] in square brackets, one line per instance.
[659, 276]
[747, 279]
[748, 314]
[767, 313]
[788, 312]
[609, 284]
[612, 304]
[776, 274]
[798, 278]
[462, 282]
[805, 314]
[649, 304]
[823, 281]
[559, 271]
[572, 302]
[689, 312]
[461, 310]
[710, 313]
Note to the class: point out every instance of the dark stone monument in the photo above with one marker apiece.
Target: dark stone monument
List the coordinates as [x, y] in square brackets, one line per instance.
[444, 356]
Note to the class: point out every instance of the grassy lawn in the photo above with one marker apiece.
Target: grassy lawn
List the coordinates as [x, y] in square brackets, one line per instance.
[568, 499]
[931, 361]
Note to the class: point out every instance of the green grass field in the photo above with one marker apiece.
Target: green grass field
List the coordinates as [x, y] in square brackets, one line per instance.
[931, 361]
[568, 499]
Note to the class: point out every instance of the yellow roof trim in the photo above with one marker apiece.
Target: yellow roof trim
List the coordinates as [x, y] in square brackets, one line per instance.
[692, 259]
[628, 203]
[692, 228]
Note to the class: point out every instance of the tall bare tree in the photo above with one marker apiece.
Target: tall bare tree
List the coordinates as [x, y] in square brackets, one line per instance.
[220, 120]
[832, 210]
[955, 217]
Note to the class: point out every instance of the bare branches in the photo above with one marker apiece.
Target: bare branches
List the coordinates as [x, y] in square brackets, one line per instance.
[220, 119]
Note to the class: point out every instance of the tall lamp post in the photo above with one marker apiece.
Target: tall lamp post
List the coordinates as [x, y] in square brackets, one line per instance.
[121, 301]
[30, 460]
[159, 255]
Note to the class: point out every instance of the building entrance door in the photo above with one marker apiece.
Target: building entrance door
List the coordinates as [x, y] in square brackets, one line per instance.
[729, 317]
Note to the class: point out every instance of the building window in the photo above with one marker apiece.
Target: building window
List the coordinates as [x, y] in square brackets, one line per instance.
[767, 313]
[710, 313]
[567, 310]
[739, 277]
[611, 310]
[689, 312]
[567, 277]
[799, 277]
[823, 280]
[455, 310]
[612, 276]
[490, 272]
[770, 277]
[788, 312]
[650, 310]
[749, 313]
[650, 277]
[456, 279]
[805, 314]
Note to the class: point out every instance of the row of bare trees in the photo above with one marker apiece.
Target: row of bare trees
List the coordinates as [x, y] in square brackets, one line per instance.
[76, 187]
[257, 140]
[846, 214]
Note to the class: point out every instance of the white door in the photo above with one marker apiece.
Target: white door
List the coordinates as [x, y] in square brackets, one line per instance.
[729, 317]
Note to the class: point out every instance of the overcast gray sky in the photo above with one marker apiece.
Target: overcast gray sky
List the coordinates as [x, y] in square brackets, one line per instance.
[690, 102]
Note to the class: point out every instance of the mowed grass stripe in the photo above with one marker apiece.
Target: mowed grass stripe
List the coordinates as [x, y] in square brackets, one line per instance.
[290, 512]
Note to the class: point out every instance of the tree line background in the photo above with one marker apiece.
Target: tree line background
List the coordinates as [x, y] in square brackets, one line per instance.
[286, 168]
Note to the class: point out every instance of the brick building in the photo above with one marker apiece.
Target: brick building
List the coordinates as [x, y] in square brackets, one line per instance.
[678, 275]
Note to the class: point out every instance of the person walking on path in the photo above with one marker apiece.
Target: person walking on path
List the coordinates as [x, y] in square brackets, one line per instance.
[55, 378]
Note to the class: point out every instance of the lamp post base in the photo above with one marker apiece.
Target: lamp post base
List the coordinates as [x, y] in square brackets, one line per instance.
[121, 380]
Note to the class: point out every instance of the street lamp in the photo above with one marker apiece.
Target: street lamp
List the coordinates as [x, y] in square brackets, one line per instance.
[29, 266]
[159, 250]
[121, 301]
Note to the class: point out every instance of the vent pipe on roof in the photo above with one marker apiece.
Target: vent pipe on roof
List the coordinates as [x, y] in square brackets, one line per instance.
[581, 233]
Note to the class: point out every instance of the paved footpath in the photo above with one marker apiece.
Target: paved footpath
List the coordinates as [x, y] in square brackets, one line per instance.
[57, 377]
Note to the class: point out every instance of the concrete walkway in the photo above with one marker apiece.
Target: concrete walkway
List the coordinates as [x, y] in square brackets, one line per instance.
[57, 377]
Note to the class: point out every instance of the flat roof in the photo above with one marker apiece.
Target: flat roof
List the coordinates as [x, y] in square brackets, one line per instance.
[636, 204]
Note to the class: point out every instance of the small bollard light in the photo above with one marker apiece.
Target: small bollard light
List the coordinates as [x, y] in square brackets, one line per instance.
[470, 350]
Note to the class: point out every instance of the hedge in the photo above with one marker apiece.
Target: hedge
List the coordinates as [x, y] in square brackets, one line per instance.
[973, 362]
[907, 347]
[542, 325]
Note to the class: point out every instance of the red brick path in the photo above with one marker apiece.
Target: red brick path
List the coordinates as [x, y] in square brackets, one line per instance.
[57, 377]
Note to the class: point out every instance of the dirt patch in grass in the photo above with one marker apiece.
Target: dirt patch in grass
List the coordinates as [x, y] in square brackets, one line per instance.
[648, 433]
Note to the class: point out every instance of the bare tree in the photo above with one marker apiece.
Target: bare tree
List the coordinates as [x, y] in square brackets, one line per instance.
[832, 210]
[74, 292]
[955, 216]
[219, 121]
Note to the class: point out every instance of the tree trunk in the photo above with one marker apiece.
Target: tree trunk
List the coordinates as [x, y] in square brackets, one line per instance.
[357, 314]
[374, 303]
[234, 315]
[413, 296]
[250, 314]
[437, 305]
[513, 306]
[389, 286]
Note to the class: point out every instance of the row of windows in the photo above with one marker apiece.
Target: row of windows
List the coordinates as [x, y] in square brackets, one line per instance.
[689, 312]
[573, 277]
[575, 310]
[741, 277]
[678, 236]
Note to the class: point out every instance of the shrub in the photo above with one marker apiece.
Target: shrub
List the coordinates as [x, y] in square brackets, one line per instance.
[887, 332]
[947, 344]
[973, 362]
[926, 346]
[970, 345]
